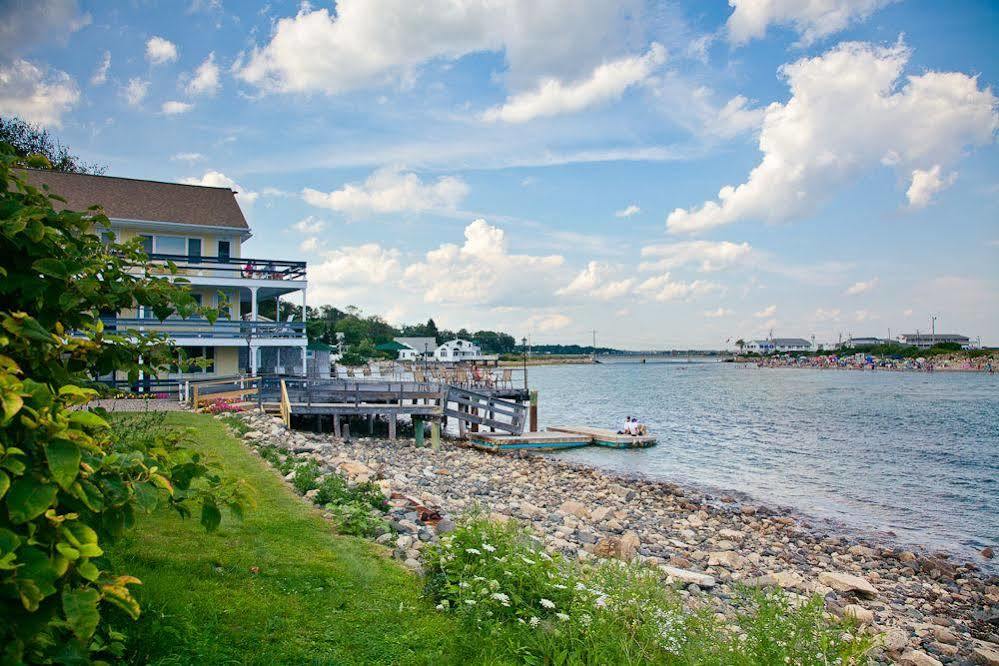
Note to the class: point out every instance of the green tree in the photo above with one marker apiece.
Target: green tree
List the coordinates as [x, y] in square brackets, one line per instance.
[27, 140]
[67, 486]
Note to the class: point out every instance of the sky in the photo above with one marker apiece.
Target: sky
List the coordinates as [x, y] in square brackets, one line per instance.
[667, 174]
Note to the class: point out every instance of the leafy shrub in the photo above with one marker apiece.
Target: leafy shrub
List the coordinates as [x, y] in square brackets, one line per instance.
[334, 489]
[498, 578]
[306, 474]
[68, 483]
[357, 519]
[237, 425]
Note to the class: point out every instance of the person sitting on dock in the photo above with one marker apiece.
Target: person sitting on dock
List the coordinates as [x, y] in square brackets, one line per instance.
[638, 429]
[626, 429]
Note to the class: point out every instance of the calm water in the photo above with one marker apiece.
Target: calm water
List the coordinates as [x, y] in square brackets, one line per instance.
[910, 453]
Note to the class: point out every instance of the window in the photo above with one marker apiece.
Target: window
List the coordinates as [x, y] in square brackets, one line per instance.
[194, 250]
[224, 251]
[171, 245]
[147, 243]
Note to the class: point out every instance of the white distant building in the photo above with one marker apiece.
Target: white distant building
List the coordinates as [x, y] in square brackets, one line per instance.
[416, 348]
[454, 351]
[778, 345]
[927, 340]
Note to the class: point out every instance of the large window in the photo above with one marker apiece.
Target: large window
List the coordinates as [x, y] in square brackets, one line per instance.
[224, 251]
[147, 243]
[171, 245]
[194, 250]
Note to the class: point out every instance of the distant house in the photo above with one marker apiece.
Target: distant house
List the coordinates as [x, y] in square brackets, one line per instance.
[778, 345]
[318, 359]
[927, 340]
[454, 351]
[416, 348]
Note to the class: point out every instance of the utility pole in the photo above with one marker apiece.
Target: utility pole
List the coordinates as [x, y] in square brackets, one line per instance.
[933, 325]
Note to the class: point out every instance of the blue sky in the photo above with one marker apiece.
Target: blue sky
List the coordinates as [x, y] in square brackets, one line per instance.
[671, 174]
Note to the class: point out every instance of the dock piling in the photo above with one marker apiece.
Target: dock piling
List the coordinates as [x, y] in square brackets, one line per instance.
[418, 432]
[435, 435]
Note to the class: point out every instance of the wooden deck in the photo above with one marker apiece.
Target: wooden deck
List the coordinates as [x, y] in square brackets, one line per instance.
[607, 438]
[536, 441]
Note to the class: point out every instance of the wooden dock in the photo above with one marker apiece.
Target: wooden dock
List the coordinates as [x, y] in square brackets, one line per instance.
[559, 437]
[608, 438]
[536, 441]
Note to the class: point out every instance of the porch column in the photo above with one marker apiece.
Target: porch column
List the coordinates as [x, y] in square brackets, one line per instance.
[304, 369]
[277, 308]
[303, 306]
[253, 303]
[253, 357]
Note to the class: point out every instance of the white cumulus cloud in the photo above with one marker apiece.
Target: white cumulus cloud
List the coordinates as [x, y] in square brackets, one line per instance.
[628, 211]
[206, 78]
[552, 97]
[766, 312]
[348, 270]
[219, 179]
[100, 75]
[390, 190]
[160, 51]
[664, 288]
[483, 271]
[861, 287]
[135, 91]
[366, 43]
[708, 255]
[548, 322]
[36, 93]
[595, 281]
[811, 19]
[849, 113]
[309, 225]
[925, 184]
[174, 107]
[717, 314]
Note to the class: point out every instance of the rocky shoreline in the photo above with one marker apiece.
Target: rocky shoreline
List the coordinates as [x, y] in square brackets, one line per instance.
[927, 608]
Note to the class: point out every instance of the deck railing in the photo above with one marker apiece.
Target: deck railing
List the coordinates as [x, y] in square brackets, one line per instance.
[201, 328]
[232, 267]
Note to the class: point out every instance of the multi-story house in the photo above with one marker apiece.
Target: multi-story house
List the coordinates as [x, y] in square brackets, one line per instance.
[202, 231]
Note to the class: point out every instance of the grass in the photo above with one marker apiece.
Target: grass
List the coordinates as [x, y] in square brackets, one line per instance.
[318, 598]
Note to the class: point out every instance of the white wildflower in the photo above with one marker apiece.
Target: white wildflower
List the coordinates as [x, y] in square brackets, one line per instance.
[547, 603]
[527, 560]
[470, 602]
[562, 616]
[473, 551]
[534, 621]
[500, 597]
[489, 549]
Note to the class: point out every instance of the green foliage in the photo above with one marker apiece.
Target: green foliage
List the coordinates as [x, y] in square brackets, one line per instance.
[306, 475]
[357, 519]
[334, 489]
[68, 483]
[499, 580]
[236, 424]
[28, 140]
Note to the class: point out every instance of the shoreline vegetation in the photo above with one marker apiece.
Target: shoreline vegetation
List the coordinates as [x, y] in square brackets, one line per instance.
[915, 607]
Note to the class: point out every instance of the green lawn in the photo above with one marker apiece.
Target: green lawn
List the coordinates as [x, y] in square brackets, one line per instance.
[319, 598]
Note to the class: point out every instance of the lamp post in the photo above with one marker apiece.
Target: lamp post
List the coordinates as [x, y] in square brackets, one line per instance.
[524, 343]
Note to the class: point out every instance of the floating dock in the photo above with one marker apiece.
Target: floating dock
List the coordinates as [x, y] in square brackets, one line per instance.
[608, 438]
[538, 441]
[559, 437]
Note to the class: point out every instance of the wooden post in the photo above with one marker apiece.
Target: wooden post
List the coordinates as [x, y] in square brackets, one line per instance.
[534, 411]
[391, 425]
[475, 426]
[371, 424]
[435, 435]
[461, 423]
[346, 430]
[336, 425]
[418, 432]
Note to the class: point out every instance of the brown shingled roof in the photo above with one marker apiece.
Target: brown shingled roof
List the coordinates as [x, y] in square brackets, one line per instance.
[149, 200]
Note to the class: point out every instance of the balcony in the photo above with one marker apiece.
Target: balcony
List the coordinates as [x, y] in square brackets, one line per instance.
[232, 267]
[201, 329]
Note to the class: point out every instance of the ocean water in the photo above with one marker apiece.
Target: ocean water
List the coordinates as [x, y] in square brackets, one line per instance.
[913, 457]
